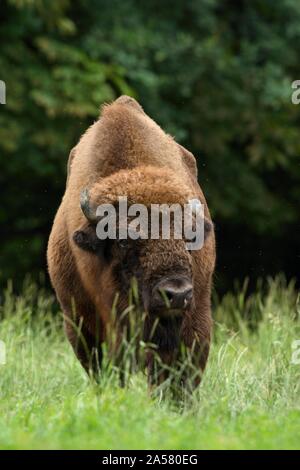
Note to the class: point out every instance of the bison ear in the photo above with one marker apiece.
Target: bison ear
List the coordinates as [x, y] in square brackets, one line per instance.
[196, 206]
[208, 227]
[86, 239]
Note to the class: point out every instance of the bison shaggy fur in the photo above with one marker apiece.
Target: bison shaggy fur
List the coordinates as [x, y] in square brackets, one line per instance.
[126, 153]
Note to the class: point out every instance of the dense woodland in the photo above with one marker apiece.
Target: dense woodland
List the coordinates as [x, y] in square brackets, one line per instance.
[215, 74]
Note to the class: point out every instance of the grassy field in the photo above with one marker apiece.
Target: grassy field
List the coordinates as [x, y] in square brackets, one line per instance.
[249, 398]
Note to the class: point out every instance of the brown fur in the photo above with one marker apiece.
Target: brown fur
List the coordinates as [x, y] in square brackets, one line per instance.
[126, 153]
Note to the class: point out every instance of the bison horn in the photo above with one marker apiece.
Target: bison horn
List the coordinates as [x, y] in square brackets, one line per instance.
[89, 213]
[195, 205]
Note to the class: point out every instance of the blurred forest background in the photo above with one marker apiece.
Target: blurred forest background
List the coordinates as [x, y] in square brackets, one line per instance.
[216, 74]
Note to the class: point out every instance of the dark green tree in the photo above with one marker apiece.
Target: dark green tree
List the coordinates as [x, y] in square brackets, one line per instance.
[215, 74]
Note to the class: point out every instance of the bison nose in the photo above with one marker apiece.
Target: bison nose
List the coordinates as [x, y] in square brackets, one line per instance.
[175, 294]
[179, 298]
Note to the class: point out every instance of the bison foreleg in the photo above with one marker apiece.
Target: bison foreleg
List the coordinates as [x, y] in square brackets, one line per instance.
[86, 346]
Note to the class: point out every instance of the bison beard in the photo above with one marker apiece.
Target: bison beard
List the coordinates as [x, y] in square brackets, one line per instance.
[165, 334]
[166, 338]
[125, 153]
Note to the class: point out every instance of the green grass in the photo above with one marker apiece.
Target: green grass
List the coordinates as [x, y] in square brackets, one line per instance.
[249, 397]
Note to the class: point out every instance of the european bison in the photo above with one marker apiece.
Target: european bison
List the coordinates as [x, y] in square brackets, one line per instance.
[125, 153]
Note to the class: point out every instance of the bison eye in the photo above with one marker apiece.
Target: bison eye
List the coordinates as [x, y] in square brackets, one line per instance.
[123, 243]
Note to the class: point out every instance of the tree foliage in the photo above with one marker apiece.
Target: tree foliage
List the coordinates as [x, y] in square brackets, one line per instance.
[215, 74]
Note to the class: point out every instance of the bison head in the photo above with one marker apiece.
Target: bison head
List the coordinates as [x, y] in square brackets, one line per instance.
[162, 267]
